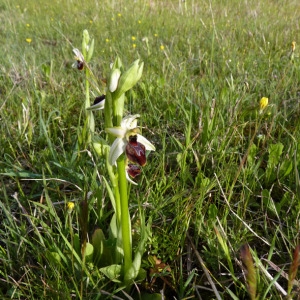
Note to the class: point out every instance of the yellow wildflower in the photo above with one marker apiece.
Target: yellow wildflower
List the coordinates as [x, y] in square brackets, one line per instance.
[293, 46]
[263, 103]
[70, 206]
[28, 40]
[292, 53]
[133, 45]
[162, 47]
[133, 38]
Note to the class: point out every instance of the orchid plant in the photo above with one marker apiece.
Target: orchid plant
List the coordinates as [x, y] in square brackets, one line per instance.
[124, 151]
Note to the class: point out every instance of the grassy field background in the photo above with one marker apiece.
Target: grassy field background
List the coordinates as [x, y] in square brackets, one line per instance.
[223, 175]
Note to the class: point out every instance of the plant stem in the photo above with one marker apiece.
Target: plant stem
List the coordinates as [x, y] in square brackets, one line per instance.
[125, 220]
[89, 114]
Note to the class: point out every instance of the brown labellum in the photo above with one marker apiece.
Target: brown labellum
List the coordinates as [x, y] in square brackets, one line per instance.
[136, 151]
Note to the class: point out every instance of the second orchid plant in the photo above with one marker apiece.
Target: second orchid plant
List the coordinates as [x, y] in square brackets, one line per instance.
[124, 150]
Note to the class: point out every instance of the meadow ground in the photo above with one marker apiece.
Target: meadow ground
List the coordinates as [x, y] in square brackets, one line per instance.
[222, 188]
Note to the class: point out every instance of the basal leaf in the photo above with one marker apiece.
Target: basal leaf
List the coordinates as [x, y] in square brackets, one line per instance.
[113, 272]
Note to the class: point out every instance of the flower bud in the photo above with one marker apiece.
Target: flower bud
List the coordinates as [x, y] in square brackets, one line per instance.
[90, 50]
[85, 40]
[129, 78]
[117, 64]
[114, 79]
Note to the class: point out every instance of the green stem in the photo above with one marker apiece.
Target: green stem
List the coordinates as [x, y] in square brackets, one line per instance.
[114, 181]
[118, 205]
[89, 114]
[118, 108]
[125, 220]
[72, 239]
[87, 89]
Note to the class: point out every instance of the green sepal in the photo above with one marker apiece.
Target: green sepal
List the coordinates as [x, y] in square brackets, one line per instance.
[90, 50]
[85, 42]
[114, 80]
[129, 78]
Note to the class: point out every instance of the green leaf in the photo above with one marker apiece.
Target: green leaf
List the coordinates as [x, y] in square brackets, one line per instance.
[76, 243]
[298, 154]
[98, 241]
[212, 213]
[89, 251]
[110, 193]
[55, 256]
[268, 201]
[285, 168]
[251, 155]
[113, 226]
[103, 249]
[275, 151]
[135, 268]
[21, 174]
[232, 295]
[141, 275]
[146, 296]
[99, 144]
[113, 272]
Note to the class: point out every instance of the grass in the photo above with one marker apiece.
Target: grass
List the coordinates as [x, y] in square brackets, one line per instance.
[223, 187]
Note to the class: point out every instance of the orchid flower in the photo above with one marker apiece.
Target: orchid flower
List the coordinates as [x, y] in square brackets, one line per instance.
[130, 141]
[98, 104]
[132, 171]
[79, 64]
